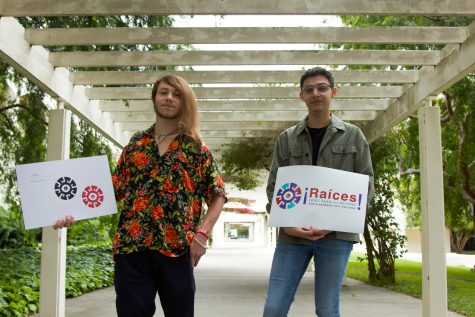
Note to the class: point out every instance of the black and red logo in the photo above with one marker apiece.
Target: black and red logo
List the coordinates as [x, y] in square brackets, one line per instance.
[65, 188]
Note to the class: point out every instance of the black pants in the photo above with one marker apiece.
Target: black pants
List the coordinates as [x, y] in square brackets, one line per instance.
[140, 275]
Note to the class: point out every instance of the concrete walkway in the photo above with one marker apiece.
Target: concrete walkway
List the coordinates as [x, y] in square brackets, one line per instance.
[233, 283]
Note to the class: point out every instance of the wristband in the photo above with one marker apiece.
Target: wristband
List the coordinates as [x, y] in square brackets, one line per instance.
[203, 232]
[199, 243]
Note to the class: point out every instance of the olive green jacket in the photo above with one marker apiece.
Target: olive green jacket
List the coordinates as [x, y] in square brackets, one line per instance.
[343, 147]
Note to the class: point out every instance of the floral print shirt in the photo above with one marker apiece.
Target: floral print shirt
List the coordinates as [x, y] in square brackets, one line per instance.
[159, 197]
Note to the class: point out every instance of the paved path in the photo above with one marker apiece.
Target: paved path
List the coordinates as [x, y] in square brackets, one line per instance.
[233, 282]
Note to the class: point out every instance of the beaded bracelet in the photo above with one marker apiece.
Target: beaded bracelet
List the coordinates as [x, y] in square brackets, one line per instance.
[203, 232]
[199, 243]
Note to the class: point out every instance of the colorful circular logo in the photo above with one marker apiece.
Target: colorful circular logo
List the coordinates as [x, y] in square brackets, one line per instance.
[92, 196]
[288, 195]
[65, 188]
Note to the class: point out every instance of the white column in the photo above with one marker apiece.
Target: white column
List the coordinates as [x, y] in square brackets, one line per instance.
[434, 276]
[53, 254]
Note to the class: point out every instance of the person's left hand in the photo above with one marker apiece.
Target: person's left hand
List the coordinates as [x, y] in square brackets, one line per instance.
[65, 222]
[316, 233]
[196, 250]
[308, 233]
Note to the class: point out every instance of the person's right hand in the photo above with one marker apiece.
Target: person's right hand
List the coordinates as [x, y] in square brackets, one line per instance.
[65, 222]
[309, 233]
[197, 250]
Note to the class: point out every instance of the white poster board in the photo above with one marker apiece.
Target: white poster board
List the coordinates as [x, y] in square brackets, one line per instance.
[53, 189]
[320, 197]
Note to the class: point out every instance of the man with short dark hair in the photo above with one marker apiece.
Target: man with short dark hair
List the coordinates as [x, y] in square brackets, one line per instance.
[319, 139]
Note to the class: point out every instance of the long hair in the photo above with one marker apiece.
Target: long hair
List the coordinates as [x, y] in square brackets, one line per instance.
[189, 122]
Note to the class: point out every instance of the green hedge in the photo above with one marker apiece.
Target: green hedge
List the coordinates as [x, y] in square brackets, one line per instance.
[88, 268]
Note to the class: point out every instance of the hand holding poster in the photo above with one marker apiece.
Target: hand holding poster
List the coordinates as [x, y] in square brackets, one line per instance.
[320, 197]
[54, 189]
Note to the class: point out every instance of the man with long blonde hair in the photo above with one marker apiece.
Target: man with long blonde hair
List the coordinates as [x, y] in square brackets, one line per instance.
[160, 180]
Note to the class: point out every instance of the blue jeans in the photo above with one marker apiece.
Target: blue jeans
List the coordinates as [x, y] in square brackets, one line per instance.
[290, 263]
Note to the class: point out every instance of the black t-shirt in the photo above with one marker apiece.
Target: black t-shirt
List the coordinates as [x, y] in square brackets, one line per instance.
[317, 135]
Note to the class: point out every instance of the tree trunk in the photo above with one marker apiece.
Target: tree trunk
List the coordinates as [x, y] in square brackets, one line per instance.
[473, 213]
[369, 252]
[460, 241]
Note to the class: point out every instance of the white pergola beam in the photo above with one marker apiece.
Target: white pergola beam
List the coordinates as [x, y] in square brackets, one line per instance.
[125, 93]
[217, 143]
[434, 271]
[206, 77]
[228, 134]
[53, 255]
[222, 140]
[222, 7]
[451, 69]
[236, 134]
[270, 57]
[234, 35]
[219, 126]
[217, 148]
[249, 105]
[32, 62]
[244, 115]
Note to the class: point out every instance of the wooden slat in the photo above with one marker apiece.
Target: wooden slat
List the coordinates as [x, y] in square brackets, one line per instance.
[234, 35]
[259, 116]
[222, 7]
[207, 77]
[125, 93]
[190, 58]
[249, 105]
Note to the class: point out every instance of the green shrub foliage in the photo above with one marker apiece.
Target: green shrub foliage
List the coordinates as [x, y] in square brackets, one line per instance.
[87, 269]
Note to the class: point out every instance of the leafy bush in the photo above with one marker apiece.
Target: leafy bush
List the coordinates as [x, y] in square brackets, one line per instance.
[88, 268]
[19, 281]
[10, 230]
[384, 241]
[90, 232]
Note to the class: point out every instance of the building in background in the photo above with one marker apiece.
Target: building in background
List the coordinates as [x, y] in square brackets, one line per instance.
[242, 223]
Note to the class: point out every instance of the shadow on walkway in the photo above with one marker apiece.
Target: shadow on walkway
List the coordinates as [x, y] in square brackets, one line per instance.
[233, 283]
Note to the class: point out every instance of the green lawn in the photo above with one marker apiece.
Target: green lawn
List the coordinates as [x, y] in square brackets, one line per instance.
[460, 282]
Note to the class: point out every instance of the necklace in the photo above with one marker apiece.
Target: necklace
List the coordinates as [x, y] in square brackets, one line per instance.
[165, 134]
[162, 137]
